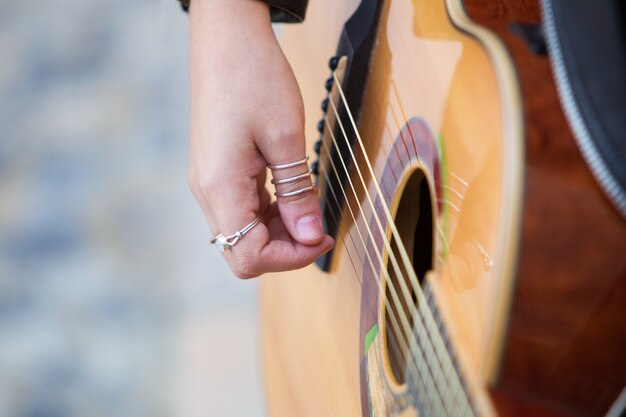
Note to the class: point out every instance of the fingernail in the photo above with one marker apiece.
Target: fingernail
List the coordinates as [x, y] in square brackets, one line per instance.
[309, 228]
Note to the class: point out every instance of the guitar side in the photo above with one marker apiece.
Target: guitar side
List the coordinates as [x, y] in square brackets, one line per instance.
[565, 343]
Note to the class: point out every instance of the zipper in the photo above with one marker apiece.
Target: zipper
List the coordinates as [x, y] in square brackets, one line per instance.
[566, 95]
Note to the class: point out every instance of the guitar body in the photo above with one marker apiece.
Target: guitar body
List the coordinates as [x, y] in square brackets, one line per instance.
[519, 256]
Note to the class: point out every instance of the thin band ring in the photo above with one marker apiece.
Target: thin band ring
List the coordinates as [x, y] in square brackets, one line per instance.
[294, 178]
[224, 243]
[290, 164]
[296, 192]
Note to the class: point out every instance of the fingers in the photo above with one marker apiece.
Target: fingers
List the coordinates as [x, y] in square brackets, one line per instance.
[247, 112]
[281, 251]
[233, 199]
[269, 247]
[297, 198]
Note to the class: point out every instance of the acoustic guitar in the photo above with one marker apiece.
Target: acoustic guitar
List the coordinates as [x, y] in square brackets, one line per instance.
[479, 269]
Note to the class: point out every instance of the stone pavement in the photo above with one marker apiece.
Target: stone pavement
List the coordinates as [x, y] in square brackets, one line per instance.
[111, 301]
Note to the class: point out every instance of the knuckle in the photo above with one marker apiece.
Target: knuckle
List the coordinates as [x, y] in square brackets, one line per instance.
[287, 135]
[241, 274]
[201, 184]
[246, 266]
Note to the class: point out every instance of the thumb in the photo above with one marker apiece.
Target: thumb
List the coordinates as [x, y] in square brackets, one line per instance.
[297, 197]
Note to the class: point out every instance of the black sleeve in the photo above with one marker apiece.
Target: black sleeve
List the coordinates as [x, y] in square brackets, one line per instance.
[285, 11]
[288, 11]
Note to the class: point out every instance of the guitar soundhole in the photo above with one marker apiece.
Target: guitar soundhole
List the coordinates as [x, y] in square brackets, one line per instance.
[414, 220]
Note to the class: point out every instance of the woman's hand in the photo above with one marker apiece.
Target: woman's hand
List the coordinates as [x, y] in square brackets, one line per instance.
[247, 113]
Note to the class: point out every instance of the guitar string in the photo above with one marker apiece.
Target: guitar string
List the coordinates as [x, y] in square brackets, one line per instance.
[393, 335]
[374, 272]
[444, 200]
[356, 224]
[354, 268]
[408, 298]
[435, 336]
[395, 324]
[425, 352]
[395, 345]
[387, 151]
[428, 348]
[395, 118]
[440, 231]
[374, 310]
[379, 283]
[394, 89]
[426, 315]
[427, 290]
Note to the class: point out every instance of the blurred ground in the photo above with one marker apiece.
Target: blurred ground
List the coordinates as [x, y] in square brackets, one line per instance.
[111, 301]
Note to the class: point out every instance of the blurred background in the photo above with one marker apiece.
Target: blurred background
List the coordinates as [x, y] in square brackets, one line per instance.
[112, 302]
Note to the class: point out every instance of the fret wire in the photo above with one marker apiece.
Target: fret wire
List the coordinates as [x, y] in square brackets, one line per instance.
[427, 319]
[428, 293]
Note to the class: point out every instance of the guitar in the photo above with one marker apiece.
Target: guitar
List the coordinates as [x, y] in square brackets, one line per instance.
[479, 270]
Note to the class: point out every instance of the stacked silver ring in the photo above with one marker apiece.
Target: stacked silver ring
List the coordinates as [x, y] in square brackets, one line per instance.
[297, 177]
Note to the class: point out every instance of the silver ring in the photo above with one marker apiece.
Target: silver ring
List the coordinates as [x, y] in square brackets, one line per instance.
[290, 164]
[226, 242]
[294, 178]
[296, 192]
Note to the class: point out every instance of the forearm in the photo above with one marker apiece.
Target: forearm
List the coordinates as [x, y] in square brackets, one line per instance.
[221, 32]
